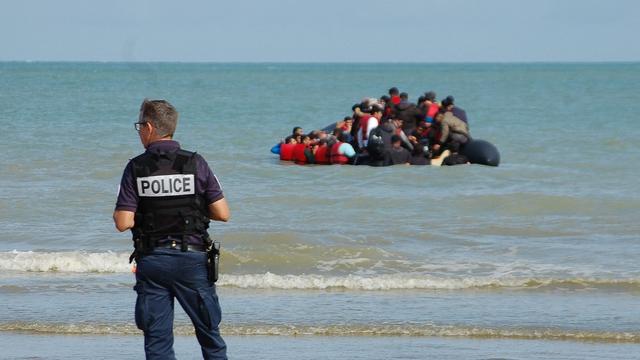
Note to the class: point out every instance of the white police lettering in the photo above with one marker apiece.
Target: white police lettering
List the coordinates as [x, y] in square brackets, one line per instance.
[166, 185]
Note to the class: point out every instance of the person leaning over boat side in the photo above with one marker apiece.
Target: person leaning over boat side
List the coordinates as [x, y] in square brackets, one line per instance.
[448, 105]
[452, 131]
[167, 197]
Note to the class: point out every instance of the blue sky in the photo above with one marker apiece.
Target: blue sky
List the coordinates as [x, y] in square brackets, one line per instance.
[320, 31]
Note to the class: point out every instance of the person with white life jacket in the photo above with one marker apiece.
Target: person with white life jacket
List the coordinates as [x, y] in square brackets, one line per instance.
[167, 198]
[367, 124]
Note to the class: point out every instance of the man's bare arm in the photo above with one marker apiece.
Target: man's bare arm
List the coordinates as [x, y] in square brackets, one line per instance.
[219, 210]
[123, 219]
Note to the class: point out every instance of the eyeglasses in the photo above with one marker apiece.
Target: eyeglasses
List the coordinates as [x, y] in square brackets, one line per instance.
[138, 125]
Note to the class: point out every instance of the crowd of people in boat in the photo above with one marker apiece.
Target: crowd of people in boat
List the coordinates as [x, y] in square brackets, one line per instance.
[384, 131]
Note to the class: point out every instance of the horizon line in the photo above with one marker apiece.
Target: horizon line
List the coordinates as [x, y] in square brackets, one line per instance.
[328, 62]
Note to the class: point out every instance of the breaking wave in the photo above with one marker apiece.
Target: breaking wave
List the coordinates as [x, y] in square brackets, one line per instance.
[113, 262]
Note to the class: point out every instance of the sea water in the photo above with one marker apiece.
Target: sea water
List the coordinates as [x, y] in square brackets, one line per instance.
[537, 258]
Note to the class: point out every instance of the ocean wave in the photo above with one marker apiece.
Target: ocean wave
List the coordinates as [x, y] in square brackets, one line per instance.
[416, 282]
[424, 330]
[65, 261]
[113, 262]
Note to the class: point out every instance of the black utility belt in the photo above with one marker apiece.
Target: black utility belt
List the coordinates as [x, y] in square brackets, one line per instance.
[178, 246]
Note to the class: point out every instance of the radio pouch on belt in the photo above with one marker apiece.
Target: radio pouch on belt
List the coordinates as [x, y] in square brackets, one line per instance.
[213, 260]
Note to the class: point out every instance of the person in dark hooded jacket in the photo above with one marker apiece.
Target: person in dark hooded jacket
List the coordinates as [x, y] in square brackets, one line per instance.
[408, 112]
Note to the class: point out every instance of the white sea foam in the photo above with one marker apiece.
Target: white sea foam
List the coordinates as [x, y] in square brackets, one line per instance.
[411, 281]
[70, 261]
[113, 262]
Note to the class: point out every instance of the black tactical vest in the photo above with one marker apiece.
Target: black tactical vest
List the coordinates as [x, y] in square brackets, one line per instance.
[168, 202]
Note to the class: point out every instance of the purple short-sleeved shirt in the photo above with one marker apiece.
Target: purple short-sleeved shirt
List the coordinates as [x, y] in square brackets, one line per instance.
[207, 183]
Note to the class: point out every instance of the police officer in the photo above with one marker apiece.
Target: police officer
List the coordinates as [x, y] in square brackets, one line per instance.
[167, 196]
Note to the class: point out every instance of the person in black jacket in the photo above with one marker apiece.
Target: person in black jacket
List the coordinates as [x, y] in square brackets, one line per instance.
[408, 112]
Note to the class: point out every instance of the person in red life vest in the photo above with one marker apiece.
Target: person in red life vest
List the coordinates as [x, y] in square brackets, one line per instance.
[388, 106]
[286, 149]
[322, 152]
[346, 127]
[368, 123]
[341, 152]
[346, 124]
[302, 153]
[431, 106]
[394, 95]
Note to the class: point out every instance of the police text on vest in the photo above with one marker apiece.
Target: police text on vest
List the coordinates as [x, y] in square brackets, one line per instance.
[166, 185]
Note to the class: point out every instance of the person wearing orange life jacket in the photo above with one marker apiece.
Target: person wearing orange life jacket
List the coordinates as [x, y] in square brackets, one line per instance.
[368, 123]
[341, 152]
[286, 149]
[302, 153]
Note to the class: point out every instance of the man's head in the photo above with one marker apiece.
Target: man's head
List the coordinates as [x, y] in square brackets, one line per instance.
[305, 140]
[396, 141]
[377, 111]
[439, 116]
[341, 136]
[394, 91]
[430, 96]
[297, 131]
[157, 121]
[447, 103]
[404, 96]
[290, 140]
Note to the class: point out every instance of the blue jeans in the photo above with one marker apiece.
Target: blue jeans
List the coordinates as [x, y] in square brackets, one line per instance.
[163, 275]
